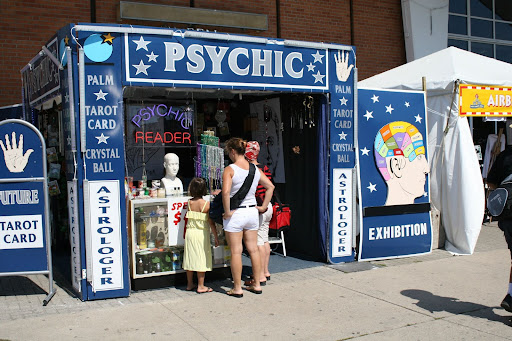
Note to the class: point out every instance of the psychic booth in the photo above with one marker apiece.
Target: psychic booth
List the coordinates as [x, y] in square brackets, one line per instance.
[132, 114]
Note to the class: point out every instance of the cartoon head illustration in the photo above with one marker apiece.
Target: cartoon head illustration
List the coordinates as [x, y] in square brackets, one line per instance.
[400, 157]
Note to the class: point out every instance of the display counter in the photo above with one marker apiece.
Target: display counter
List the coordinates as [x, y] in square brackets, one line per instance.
[157, 232]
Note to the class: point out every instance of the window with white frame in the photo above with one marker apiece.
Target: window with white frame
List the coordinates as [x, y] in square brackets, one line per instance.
[482, 26]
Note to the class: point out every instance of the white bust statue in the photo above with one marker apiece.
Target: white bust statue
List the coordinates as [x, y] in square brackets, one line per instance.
[173, 185]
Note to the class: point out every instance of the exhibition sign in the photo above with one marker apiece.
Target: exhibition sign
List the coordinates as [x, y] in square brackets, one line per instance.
[483, 100]
[393, 174]
[25, 246]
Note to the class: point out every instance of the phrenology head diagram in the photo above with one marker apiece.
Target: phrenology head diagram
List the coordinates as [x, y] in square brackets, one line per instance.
[400, 157]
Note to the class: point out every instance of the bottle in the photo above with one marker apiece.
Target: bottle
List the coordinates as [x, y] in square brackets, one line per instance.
[176, 263]
[161, 192]
[140, 266]
[142, 235]
[147, 266]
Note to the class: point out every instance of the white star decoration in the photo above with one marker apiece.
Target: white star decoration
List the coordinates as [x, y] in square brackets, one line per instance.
[152, 57]
[141, 68]
[389, 109]
[418, 118]
[343, 101]
[102, 138]
[425, 194]
[375, 98]
[318, 57]
[141, 44]
[69, 141]
[101, 95]
[311, 67]
[407, 104]
[343, 136]
[368, 115]
[365, 151]
[372, 187]
[319, 77]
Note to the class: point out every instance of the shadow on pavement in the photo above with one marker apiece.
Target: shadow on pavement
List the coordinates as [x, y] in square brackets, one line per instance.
[435, 303]
[19, 285]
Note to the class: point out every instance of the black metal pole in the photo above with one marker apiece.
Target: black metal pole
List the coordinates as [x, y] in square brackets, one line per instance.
[93, 10]
[352, 22]
[278, 18]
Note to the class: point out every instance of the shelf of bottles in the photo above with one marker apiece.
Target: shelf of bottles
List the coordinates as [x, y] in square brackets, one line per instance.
[151, 253]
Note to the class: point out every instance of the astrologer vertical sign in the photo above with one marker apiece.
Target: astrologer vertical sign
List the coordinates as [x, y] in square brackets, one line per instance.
[25, 246]
[393, 174]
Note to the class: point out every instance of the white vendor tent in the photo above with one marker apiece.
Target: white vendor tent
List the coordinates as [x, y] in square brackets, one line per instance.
[456, 185]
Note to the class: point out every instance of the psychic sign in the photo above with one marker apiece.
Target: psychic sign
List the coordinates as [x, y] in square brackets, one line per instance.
[41, 76]
[179, 60]
[481, 100]
[102, 130]
[104, 236]
[393, 174]
[23, 199]
[157, 124]
[342, 156]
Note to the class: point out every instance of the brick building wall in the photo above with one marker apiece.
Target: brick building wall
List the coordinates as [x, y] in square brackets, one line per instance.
[377, 33]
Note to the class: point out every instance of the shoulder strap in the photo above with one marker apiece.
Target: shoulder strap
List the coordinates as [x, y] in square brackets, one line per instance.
[242, 192]
[507, 179]
[202, 209]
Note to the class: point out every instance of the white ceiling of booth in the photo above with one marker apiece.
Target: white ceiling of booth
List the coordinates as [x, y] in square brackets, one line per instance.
[441, 69]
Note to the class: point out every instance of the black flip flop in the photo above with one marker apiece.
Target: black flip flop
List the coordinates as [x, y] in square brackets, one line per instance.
[254, 291]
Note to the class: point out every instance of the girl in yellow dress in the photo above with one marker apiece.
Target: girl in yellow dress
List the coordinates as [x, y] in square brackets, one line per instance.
[198, 254]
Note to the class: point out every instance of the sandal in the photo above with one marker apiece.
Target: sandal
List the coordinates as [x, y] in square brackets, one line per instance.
[233, 294]
[254, 291]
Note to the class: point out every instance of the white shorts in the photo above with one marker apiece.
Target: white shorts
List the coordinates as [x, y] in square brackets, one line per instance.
[246, 218]
[264, 223]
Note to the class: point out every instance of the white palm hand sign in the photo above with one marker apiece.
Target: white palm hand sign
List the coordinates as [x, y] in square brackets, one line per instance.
[342, 68]
[14, 158]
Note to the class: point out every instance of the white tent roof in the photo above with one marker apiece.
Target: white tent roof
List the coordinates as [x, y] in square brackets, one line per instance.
[441, 69]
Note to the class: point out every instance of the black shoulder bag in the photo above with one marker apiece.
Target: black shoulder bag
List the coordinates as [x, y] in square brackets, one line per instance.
[216, 206]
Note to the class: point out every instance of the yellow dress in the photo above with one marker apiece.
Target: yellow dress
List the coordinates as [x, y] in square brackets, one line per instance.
[198, 251]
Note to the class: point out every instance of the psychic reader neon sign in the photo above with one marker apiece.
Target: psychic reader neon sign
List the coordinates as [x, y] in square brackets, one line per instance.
[182, 119]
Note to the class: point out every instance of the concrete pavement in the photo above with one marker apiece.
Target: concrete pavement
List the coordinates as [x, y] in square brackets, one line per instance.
[432, 297]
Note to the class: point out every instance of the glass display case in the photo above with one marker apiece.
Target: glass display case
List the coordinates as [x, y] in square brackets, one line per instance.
[157, 237]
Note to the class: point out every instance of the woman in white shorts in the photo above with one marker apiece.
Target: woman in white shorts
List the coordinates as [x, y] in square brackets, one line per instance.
[242, 223]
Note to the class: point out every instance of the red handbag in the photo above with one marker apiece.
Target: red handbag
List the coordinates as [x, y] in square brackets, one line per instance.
[281, 217]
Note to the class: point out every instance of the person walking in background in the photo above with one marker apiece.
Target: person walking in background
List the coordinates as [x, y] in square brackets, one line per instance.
[251, 154]
[197, 254]
[242, 222]
[500, 170]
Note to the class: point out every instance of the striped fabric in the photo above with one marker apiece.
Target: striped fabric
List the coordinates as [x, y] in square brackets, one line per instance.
[260, 190]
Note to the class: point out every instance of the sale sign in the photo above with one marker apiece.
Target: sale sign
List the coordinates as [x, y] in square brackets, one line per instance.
[177, 208]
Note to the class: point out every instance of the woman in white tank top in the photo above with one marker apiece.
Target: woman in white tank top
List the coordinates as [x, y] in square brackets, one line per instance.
[241, 223]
